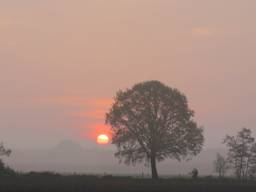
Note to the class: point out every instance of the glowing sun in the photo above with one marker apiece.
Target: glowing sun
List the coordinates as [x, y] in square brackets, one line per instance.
[102, 139]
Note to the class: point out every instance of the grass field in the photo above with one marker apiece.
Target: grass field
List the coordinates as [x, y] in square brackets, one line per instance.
[44, 182]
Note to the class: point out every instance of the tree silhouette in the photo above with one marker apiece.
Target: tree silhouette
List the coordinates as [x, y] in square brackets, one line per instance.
[221, 165]
[153, 122]
[242, 153]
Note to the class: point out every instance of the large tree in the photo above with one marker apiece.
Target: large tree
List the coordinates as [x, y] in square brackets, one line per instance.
[151, 122]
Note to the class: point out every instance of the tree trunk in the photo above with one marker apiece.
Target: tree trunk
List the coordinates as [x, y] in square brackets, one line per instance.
[153, 167]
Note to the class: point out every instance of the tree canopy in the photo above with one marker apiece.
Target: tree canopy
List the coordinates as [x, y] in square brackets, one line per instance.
[152, 122]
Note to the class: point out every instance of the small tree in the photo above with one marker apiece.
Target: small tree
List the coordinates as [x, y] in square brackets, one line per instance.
[152, 122]
[220, 165]
[242, 153]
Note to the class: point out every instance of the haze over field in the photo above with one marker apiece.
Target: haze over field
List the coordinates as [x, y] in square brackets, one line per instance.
[69, 157]
[63, 61]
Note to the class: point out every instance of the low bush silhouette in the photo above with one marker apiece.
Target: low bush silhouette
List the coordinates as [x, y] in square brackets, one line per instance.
[5, 170]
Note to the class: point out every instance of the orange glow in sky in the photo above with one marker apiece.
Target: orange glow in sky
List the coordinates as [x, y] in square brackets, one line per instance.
[93, 131]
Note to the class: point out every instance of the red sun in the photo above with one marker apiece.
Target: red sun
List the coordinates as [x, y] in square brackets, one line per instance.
[102, 139]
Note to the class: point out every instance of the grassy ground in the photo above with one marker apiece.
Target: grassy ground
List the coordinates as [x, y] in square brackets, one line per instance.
[45, 182]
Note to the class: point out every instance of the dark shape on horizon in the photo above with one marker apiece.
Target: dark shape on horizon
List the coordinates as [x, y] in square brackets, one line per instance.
[3, 168]
[194, 173]
[4, 151]
[242, 153]
[152, 122]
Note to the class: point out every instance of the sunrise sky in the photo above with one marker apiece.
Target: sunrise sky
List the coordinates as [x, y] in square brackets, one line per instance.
[62, 61]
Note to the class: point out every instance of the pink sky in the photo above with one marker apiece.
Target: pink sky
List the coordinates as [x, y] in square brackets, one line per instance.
[63, 61]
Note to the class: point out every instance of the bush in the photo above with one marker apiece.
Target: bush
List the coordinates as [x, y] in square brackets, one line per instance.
[5, 170]
[194, 173]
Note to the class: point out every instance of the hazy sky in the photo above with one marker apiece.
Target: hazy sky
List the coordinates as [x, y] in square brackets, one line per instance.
[62, 61]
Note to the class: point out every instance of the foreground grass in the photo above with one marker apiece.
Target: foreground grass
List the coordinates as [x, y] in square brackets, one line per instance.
[47, 182]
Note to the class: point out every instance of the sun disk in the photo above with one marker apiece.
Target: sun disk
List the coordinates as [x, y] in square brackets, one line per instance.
[102, 139]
